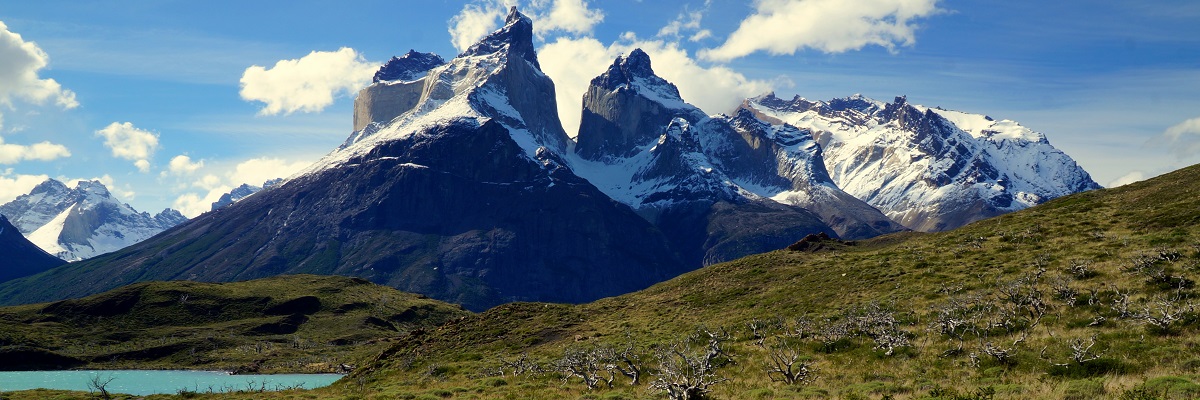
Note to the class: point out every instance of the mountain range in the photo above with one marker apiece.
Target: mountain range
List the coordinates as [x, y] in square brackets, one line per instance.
[75, 223]
[460, 182]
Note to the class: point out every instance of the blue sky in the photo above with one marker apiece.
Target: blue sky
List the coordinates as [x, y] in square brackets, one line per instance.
[119, 90]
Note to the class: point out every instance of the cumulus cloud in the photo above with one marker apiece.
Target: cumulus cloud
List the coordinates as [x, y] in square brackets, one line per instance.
[687, 22]
[1134, 176]
[13, 185]
[20, 62]
[832, 26]
[183, 165]
[572, 63]
[218, 180]
[1183, 138]
[475, 21]
[569, 16]
[307, 84]
[44, 151]
[130, 143]
[481, 18]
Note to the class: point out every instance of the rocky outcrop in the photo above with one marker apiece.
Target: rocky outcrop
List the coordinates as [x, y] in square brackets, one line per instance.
[627, 107]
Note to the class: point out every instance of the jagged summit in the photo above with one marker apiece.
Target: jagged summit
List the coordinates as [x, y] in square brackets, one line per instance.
[928, 168]
[498, 78]
[627, 107]
[411, 66]
[84, 221]
[516, 36]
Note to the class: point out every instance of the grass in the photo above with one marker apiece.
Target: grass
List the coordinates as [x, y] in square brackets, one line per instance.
[299, 323]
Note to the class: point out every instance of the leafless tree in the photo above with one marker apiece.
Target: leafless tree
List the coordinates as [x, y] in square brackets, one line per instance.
[784, 363]
[1163, 312]
[1121, 304]
[957, 318]
[520, 366]
[1081, 352]
[1063, 291]
[688, 373]
[99, 383]
[624, 360]
[583, 364]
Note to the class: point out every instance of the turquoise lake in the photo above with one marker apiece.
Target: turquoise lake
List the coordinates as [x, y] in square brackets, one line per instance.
[137, 382]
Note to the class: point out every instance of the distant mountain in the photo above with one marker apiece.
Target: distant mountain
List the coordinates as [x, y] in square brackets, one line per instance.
[928, 168]
[243, 191]
[712, 184]
[84, 221]
[21, 257]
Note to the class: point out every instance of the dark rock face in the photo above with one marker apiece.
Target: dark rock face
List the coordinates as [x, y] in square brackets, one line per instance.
[623, 109]
[21, 257]
[411, 66]
[516, 39]
[489, 228]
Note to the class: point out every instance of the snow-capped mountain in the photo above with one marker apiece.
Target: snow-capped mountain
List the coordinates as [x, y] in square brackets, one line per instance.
[83, 221]
[928, 168]
[21, 257]
[687, 172]
[463, 196]
[243, 191]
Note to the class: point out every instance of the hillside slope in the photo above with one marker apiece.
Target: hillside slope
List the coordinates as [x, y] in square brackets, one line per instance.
[1086, 296]
[287, 323]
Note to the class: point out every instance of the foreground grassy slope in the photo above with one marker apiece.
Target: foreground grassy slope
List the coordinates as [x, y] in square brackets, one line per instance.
[299, 323]
[1088, 296]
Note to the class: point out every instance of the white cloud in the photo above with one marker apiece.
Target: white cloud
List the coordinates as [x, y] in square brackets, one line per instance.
[20, 62]
[219, 180]
[476, 21]
[1184, 138]
[687, 21]
[482, 17]
[832, 26]
[44, 151]
[191, 204]
[183, 165]
[572, 63]
[1135, 176]
[307, 84]
[13, 185]
[570, 16]
[130, 143]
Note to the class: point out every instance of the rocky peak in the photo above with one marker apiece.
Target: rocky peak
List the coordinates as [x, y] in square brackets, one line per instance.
[50, 186]
[411, 66]
[93, 187]
[516, 37]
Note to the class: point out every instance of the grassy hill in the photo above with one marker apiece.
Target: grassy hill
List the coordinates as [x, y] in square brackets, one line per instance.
[1088, 296]
[298, 323]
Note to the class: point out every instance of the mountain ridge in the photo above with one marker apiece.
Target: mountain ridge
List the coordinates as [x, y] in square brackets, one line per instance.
[84, 221]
